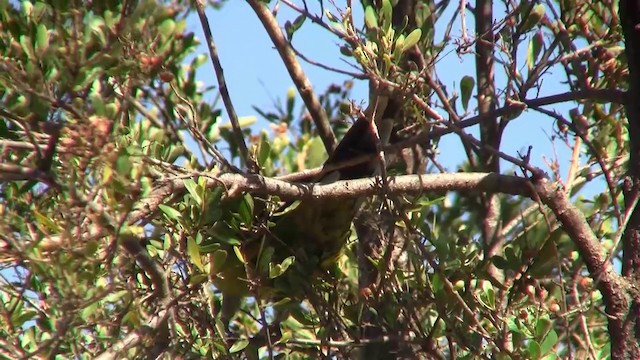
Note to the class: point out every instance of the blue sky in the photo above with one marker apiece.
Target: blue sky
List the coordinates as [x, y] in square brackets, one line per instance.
[255, 75]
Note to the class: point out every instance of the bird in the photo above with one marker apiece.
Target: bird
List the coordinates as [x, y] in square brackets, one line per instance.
[314, 232]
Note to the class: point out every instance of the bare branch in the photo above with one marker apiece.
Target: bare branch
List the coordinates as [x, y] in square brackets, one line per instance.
[297, 75]
[224, 91]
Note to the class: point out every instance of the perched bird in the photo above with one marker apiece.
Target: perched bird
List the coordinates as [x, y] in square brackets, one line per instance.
[314, 232]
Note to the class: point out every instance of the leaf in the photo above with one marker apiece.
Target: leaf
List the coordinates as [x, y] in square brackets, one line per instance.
[411, 39]
[171, 213]
[42, 39]
[238, 252]
[536, 14]
[533, 49]
[549, 342]
[534, 350]
[239, 345]
[193, 190]
[291, 28]
[387, 12]
[264, 151]
[288, 208]
[287, 262]
[500, 262]
[265, 259]
[218, 259]
[123, 164]
[370, 18]
[26, 44]
[114, 297]
[167, 28]
[245, 210]
[275, 270]
[398, 48]
[313, 153]
[436, 283]
[46, 222]
[466, 89]
[193, 250]
[543, 325]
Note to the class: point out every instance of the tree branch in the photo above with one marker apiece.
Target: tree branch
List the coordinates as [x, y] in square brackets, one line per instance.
[297, 75]
[548, 193]
[224, 91]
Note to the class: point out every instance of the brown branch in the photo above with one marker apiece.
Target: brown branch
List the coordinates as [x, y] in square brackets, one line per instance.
[317, 20]
[625, 331]
[359, 76]
[297, 74]
[117, 350]
[224, 91]
[604, 95]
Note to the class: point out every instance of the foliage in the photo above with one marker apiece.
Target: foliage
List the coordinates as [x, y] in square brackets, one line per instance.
[115, 220]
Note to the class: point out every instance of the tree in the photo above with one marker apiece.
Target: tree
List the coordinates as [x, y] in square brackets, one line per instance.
[124, 192]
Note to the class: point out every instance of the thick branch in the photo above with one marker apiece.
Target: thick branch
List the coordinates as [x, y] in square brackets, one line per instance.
[631, 244]
[406, 184]
[297, 75]
[625, 331]
[548, 193]
[604, 95]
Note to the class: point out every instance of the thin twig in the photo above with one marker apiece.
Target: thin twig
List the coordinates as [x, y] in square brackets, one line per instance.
[224, 91]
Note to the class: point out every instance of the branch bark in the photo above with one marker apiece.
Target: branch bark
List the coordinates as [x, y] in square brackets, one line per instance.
[297, 75]
[224, 91]
[490, 131]
[624, 329]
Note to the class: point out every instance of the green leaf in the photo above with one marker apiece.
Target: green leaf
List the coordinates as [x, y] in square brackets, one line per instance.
[167, 28]
[500, 262]
[543, 325]
[192, 188]
[534, 48]
[549, 342]
[534, 350]
[398, 48]
[288, 208]
[436, 283]
[27, 47]
[239, 345]
[387, 12]
[287, 262]
[238, 252]
[114, 297]
[42, 39]
[171, 213]
[218, 259]
[22, 316]
[466, 89]
[264, 151]
[193, 250]
[276, 270]
[265, 259]
[488, 295]
[46, 222]
[123, 164]
[314, 152]
[536, 14]
[370, 18]
[291, 101]
[291, 28]
[411, 39]
[27, 8]
[245, 210]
